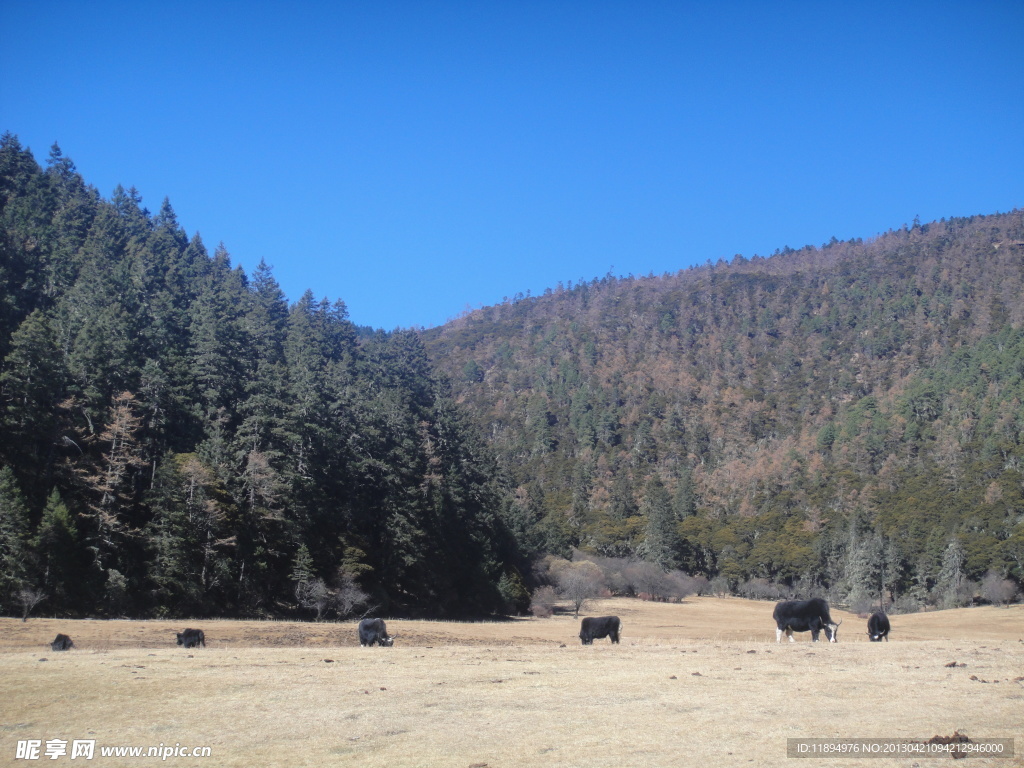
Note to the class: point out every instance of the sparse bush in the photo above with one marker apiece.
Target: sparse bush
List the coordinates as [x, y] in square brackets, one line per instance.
[681, 585]
[954, 596]
[632, 576]
[862, 603]
[28, 598]
[577, 582]
[760, 589]
[700, 584]
[616, 573]
[542, 602]
[349, 595]
[647, 579]
[803, 588]
[998, 590]
[718, 586]
[314, 595]
[906, 603]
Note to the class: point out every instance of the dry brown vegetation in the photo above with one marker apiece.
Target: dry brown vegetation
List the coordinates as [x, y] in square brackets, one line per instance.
[697, 683]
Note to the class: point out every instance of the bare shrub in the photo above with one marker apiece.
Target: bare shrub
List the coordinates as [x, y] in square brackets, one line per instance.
[954, 595]
[863, 604]
[542, 602]
[615, 572]
[760, 589]
[719, 587]
[577, 582]
[647, 579]
[28, 598]
[803, 588]
[349, 595]
[679, 585]
[906, 603]
[997, 590]
[636, 577]
[314, 595]
[691, 585]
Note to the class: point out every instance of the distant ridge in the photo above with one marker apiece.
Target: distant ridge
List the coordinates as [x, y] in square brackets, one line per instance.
[822, 415]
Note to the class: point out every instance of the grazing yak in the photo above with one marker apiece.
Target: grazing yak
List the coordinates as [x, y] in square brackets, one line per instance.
[878, 627]
[62, 643]
[191, 638]
[602, 626]
[375, 631]
[802, 616]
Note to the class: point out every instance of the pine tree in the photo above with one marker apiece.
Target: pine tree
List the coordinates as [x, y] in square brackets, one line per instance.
[302, 566]
[306, 428]
[64, 569]
[261, 446]
[17, 167]
[190, 563]
[263, 406]
[134, 218]
[865, 568]
[684, 503]
[100, 319]
[32, 381]
[26, 213]
[218, 339]
[15, 555]
[75, 209]
[952, 579]
[662, 544]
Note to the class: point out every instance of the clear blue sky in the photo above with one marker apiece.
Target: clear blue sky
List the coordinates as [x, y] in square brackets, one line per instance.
[416, 158]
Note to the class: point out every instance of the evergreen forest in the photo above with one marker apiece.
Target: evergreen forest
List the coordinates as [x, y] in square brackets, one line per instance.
[845, 420]
[179, 439]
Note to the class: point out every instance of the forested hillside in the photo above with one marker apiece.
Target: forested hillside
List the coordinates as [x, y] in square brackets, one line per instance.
[176, 439]
[845, 418]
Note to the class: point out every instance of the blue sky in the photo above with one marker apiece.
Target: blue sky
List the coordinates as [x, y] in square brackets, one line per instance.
[418, 158]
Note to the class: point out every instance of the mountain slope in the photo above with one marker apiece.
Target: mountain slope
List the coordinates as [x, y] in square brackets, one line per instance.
[788, 404]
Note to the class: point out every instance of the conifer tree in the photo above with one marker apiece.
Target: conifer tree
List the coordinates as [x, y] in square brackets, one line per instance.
[662, 543]
[15, 563]
[262, 408]
[218, 339]
[302, 566]
[75, 208]
[62, 565]
[684, 503]
[32, 380]
[952, 579]
[187, 538]
[26, 211]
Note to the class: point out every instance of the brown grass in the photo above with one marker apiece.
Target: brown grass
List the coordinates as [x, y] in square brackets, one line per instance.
[701, 683]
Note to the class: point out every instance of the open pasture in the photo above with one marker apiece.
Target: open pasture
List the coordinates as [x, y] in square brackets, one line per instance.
[697, 683]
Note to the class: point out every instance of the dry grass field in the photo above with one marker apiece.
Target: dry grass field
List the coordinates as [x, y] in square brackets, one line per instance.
[698, 683]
